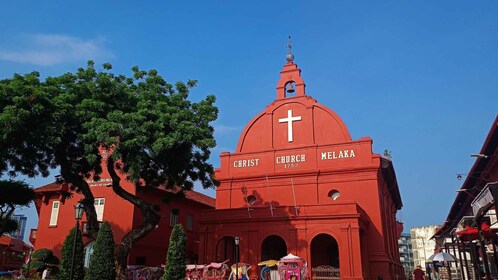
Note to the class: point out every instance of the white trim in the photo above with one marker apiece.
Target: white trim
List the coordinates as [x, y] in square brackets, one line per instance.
[55, 213]
[99, 208]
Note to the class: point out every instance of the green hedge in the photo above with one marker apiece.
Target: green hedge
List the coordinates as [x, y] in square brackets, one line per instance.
[176, 259]
[67, 253]
[102, 265]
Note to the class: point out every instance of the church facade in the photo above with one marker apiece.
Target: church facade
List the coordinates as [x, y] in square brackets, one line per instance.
[297, 183]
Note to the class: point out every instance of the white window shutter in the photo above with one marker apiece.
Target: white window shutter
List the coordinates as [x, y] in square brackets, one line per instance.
[55, 213]
[99, 208]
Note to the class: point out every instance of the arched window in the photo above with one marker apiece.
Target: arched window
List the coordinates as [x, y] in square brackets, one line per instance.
[225, 249]
[251, 199]
[88, 253]
[334, 194]
[324, 251]
[290, 89]
[273, 248]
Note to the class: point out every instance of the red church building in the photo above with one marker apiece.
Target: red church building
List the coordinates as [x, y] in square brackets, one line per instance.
[297, 183]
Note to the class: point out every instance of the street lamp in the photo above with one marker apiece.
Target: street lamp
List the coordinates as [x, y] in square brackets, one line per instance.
[237, 242]
[78, 213]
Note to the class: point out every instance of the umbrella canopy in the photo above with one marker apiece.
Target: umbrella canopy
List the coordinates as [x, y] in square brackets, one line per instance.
[268, 263]
[290, 258]
[442, 257]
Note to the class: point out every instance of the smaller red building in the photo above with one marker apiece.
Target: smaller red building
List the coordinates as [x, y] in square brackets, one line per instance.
[13, 253]
[56, 218]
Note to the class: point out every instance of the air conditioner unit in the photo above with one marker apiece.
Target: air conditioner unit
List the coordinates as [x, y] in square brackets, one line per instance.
[482, 202]
[466, 220]
[492, 218]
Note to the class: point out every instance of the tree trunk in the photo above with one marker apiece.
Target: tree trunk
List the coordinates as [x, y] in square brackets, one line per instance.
[77, 181]
[151, 219]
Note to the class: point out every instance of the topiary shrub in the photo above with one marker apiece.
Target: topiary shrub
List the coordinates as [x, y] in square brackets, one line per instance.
[42, 254]
[67, 254]
[40, 259]
[102, 266]
[176, 260]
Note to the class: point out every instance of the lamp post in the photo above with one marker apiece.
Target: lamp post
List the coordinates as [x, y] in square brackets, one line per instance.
[237, 242]
[29, 261]
[78, 213]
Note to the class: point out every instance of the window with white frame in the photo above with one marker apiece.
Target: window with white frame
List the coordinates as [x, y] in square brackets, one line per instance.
[174, 216]
[55, 213]
[99, 208]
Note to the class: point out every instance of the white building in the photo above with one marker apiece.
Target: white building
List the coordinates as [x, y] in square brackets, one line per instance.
[422, 246]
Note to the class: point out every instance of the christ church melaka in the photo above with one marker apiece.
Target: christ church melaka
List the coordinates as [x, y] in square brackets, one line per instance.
[299, 184]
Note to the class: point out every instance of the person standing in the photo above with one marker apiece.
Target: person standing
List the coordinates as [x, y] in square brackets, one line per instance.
[418, 273]
[46, 273]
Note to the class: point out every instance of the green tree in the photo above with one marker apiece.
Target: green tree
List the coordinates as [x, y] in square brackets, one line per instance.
[42, 129]
[67, 254]
[40, 259]
[12, 194]
[176, 260]
[149, 131]
[102, 265]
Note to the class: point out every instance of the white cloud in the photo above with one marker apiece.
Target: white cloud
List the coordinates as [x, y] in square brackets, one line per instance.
[222, 149]
[52, 49]
[225, 129]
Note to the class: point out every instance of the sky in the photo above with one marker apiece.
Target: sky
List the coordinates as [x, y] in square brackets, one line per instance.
[418, 77]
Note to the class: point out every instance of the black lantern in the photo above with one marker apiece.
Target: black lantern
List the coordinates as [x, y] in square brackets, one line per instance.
[79, 209]
[237, 242]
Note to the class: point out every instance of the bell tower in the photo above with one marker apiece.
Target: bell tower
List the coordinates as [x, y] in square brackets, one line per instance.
[290, 84]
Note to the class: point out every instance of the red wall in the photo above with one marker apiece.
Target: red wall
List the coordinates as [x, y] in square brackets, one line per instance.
[154, 247]
[123, 216]
[117, 211]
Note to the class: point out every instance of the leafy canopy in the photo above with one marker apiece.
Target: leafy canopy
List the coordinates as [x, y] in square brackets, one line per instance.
[157, 134]
[12, 194]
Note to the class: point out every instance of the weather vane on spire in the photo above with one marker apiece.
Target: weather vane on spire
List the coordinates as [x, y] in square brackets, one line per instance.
[290, 56]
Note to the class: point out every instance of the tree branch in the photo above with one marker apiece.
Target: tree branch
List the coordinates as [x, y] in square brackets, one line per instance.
[150, 215]
[88, 202]
[11, 210]
[151, 219]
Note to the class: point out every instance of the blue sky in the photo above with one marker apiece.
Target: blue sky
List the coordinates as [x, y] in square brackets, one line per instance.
[419, 77]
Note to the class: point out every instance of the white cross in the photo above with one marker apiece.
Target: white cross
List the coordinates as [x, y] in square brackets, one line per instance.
[289, 121]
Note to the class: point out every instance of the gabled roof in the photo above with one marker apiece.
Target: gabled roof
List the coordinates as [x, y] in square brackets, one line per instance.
[201, 198]
[392, 183]
[49, 188]
[192, 195]
[13, 243]
[473, 184]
